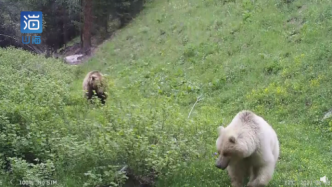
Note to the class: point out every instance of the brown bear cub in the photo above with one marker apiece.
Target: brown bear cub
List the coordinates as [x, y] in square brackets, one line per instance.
[94, 85]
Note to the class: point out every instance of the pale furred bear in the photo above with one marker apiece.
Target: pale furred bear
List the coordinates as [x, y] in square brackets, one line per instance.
[248, 146]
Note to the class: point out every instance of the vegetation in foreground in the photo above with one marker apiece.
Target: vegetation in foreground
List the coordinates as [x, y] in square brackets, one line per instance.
[271, 57]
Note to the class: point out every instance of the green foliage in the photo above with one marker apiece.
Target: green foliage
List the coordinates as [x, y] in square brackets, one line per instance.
[30, 174]
[49, 121]
[269, 57]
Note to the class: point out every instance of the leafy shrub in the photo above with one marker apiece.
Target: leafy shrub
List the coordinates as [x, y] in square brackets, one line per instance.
[45, 124]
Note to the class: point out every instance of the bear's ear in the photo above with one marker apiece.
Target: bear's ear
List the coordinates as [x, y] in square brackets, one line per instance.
[232, 139]
[220, 129]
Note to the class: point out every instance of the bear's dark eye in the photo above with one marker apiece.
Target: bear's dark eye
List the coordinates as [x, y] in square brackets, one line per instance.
[225, 154]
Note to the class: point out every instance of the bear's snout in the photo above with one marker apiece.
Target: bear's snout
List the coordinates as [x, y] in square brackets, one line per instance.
[222, 163]
[218, 166]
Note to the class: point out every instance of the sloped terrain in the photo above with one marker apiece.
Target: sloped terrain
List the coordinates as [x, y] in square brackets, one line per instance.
[271, 57]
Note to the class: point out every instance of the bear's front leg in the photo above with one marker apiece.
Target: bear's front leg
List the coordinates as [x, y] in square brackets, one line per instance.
[263, 177]
[253, 174]
[237, 175]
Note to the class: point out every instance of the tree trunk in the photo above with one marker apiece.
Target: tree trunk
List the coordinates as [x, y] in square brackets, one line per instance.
[64, 34]
[87, 27]
[63, 22]
[81, 24]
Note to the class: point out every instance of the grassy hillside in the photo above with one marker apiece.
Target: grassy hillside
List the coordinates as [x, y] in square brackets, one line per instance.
[271, 57]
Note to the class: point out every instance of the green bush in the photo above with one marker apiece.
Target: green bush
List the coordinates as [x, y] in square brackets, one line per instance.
[271, 58]
[46, 123]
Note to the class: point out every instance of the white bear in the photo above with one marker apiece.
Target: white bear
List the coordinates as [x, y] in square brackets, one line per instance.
[248, 146]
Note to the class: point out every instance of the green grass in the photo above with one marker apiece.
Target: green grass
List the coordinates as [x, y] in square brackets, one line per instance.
[271, 57]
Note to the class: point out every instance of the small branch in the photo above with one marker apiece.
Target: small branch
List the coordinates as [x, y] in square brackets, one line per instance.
[199, 98]
[124, 169]
[9, 37]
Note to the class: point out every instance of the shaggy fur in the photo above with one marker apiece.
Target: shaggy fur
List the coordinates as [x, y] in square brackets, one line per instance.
[248, 146]
[94, 85]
